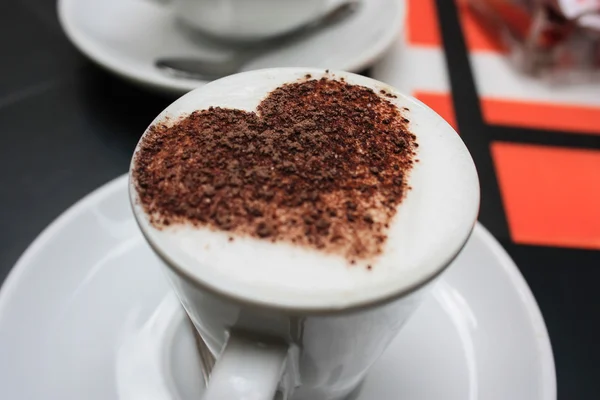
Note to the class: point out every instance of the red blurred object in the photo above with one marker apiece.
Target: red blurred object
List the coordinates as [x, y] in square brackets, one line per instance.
[554, 39]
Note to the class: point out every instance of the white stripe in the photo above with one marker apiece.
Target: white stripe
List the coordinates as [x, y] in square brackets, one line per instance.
[496, 78]
[411, 68]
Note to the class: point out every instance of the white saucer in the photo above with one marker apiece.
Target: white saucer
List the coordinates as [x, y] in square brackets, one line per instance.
[87, 314]
[126, 36]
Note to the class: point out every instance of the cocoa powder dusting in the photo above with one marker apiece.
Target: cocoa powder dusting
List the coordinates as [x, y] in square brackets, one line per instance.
[321, 163]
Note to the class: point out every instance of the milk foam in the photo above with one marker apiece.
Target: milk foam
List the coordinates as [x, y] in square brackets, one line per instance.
[431, 225]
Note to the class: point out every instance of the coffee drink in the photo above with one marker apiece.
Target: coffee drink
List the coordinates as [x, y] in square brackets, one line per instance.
[321, 164]
[248, 20]
[319, 189]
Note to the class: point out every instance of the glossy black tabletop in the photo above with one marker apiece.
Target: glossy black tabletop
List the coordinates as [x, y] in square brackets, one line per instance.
[67, 127]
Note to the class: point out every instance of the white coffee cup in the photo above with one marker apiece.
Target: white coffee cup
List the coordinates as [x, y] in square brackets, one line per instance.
[248, 20]
[312, 328]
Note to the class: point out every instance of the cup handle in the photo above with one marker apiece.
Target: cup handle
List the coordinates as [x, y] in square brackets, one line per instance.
[161, 2]
[331, 4]
[249, 368]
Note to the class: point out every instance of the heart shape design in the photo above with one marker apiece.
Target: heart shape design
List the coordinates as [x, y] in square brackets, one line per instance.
[321, 163]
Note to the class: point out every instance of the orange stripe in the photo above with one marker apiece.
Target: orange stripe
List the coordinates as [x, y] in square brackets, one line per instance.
[423, 28]
[440, 103]
[551, 194]
[478, 35]
[580, 119]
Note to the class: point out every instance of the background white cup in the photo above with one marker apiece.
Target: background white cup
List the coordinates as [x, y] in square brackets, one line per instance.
[248, 20]
[303, 346]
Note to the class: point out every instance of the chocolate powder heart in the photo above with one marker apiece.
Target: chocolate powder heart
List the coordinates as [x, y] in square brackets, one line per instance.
[322, 163]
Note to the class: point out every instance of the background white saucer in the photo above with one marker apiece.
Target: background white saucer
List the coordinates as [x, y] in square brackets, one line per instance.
[87, 314]
[126, 36]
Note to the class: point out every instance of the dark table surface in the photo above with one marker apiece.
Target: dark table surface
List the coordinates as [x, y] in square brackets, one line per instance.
[67, 127]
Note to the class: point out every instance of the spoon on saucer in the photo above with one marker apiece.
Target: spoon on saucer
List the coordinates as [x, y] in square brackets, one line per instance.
[209, 69]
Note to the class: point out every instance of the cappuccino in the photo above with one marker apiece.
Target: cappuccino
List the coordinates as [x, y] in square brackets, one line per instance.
[304, 188]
